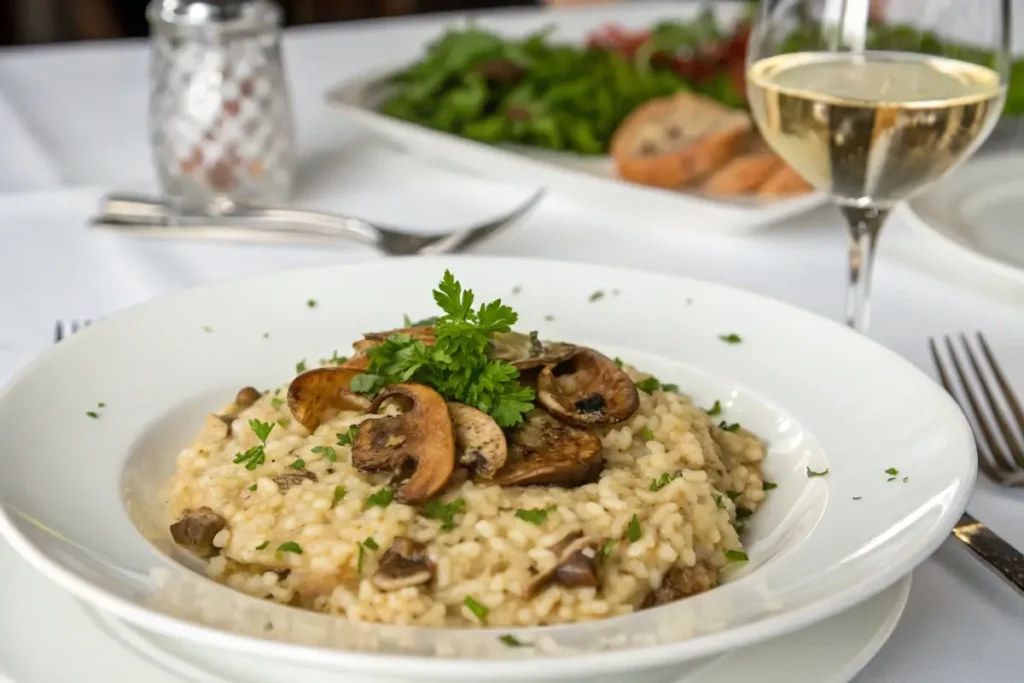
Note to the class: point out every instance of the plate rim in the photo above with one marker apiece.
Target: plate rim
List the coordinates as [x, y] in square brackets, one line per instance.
[607, 661]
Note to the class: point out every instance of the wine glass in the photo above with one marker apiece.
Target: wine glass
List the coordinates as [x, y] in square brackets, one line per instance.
[873, 109]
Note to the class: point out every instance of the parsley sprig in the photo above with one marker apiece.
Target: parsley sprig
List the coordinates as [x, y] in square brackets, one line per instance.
[456, 366]
[255, 456]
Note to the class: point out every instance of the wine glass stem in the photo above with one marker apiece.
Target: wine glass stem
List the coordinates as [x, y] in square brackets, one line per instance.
[863, 225]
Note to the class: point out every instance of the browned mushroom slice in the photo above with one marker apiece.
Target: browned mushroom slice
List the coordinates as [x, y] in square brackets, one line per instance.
[479, 442]
[682, 582]
[542, 451]
[293, 478]
[422, 437]
[587, 390]
[404, 564]
[246, 396]
[196, 530]
[527, 351]
[315, 394]
[578, 564]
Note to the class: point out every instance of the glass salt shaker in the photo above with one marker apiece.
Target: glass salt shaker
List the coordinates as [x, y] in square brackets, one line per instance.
[220, 116]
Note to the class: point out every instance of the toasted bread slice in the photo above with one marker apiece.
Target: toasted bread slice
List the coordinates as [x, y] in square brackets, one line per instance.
[784, 182]
[670, 141]
[742, 174]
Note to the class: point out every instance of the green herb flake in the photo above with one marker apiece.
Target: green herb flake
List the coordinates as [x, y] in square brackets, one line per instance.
[512, 641]
[329, 453]
[93, 414]
[812, 473]
[478, 610]
[718, 500]
[596, 296]
[298, 464]
[339, 493]
[261, 429]
[311, 303]
[646, 434]
[716, 409]
[517, 289]
[207, 329]
[276, 402]
[345, 438]
[359, 559]
[732, 338]
[769, 485]
[253, 487]
[381, 498]
[670, 388]
[727, 427]
[743, 513]
[664, 480]
[266, 335]
[284, 422]
[263, 545]
[300, 367]
[906, 479]
[101, 404]
[289, 547]
[607, 547]
[618, 362]
[649, 385]
[633, 531]
[892, 471]
[549, 318]
[371, 544]
[445, 512]
[536, 516]
[735, 556]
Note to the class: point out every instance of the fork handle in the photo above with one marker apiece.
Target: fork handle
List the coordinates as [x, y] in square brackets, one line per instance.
[995, 553]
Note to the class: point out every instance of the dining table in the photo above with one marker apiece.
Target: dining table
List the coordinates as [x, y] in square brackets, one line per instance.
[73, 126]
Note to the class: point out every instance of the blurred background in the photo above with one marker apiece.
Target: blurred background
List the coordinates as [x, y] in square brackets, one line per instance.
[47, 21]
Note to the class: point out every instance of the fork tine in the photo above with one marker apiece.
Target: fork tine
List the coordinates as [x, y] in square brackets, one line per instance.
[58, 332]
[1009, 436]
[979, 416]
[1008, 392]
[984, 462]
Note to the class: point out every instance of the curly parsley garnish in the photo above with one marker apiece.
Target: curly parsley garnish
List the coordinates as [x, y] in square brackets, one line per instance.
[456, 366]
[445, 512]
[255, 456]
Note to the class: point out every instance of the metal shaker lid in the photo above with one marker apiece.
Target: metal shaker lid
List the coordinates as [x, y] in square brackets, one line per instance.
[207, 12]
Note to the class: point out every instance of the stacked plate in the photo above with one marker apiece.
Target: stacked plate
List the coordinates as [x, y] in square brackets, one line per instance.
[98, 420]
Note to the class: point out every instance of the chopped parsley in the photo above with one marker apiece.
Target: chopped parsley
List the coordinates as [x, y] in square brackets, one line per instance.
[649, 385]
[549, 318]
[716, 409]
[671, 388]
[892, 471]
[596, 296]
[618, 362]
[329, 453]
[345, 438]
[734, 495]
[298, 464]
[277, 402]
[93, 414]
[535, 516]
[311, 303]
[381, 498]
[812, 473]
[633, 531]
[300, 367]
[263, 545]
[517, 289]
[718, 499]
[207, 329]
[476, 608]
[289, 547]
[255, 456]
[769, 485]
[456, 365]
[284, 422]
[664, 480]
[646, 433]
[607, 547]
[339, 493]
[335, 359]
[101, 404]
[253, 487]
[266, 335]
[727, 427]
[445, 512]
[743, 513]
[732, 338]
[371, 544]
[512, 641]
[735, 556]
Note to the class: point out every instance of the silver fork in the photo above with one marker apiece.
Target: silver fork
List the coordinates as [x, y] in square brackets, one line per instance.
[155, 217]
[993, 551]
[73, 326]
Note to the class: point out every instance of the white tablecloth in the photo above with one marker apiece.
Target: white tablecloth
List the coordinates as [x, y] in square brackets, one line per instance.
[72, 124]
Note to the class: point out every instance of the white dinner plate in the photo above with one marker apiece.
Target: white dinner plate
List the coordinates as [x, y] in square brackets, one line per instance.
[975, 213]
[95, 647]
[824, 398]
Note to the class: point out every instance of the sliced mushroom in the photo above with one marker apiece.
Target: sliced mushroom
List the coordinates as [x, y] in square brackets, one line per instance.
[479, 442]
[422, 437]
[404, 564]
[196, 530]
[287, 480]
[543, 451]
[587, 390]
[315, 394]
[527, 351]
[578, 565]
[682, 582]
[247, 396]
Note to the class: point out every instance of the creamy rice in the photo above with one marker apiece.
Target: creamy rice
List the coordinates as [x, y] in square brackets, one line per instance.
[490, 555]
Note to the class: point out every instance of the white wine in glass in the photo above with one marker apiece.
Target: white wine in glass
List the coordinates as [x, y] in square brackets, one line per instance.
[873, 113]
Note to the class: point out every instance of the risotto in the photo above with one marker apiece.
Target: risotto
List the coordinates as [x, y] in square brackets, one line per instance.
[608, 492]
